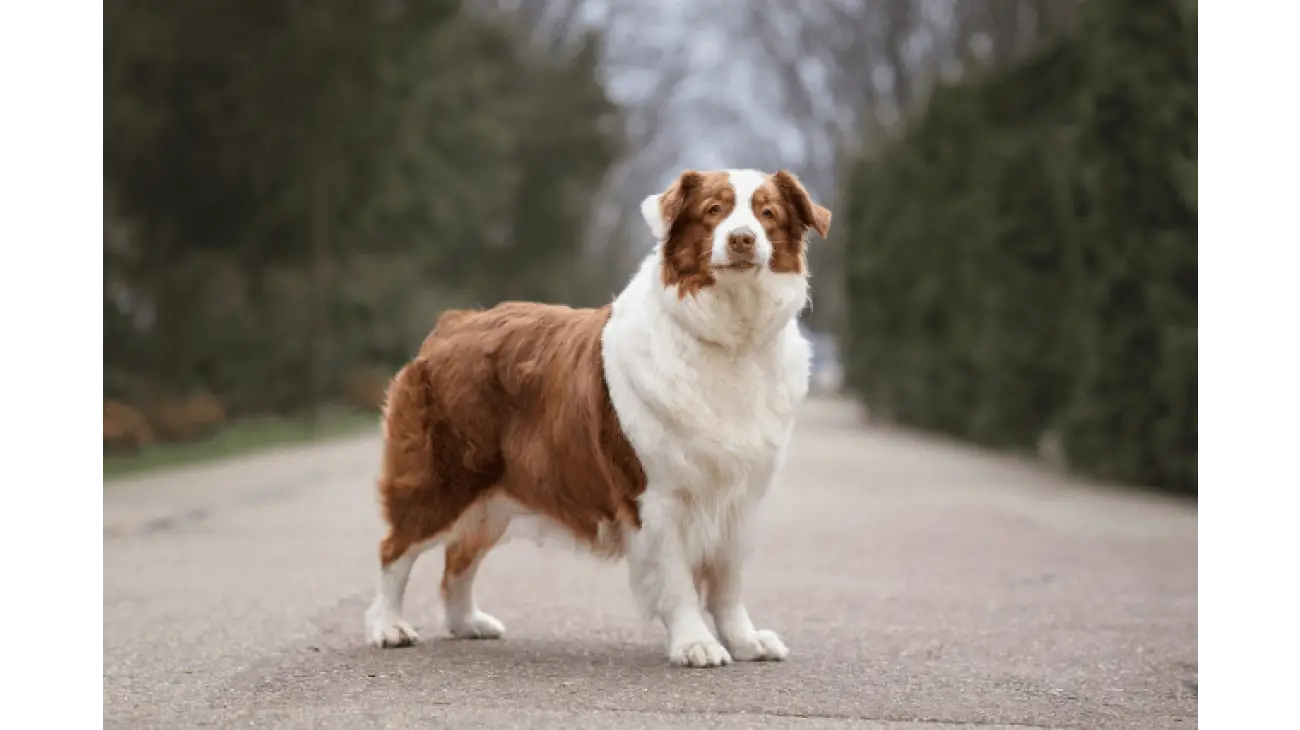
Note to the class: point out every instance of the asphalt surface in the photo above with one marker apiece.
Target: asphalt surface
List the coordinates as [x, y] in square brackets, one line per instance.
[918, 584]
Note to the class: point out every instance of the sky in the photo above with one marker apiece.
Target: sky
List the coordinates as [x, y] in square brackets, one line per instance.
[723, 110]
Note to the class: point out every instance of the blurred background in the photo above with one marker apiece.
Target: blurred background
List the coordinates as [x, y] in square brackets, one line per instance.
[295, 190]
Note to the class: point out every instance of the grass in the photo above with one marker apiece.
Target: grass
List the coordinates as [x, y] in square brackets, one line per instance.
[240, 437]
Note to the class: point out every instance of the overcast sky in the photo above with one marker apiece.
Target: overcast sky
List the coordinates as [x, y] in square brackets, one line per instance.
[725, 108]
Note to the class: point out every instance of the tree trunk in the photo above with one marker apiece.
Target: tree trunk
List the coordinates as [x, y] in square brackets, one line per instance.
[318, 308]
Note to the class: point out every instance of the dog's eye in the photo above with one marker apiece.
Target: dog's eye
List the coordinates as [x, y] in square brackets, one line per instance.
[768, 213]
[716, 209]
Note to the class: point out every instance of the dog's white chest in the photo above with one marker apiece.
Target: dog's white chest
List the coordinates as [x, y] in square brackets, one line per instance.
[731, 407]
[703, 416]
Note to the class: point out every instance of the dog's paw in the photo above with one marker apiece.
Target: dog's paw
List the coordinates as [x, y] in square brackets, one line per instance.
[392, 633]
[478, 625]
[706, 653]
[388, 631]
[761, 646]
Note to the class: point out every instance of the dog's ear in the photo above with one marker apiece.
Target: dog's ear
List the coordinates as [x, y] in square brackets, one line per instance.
[660, 211]
[811, 215]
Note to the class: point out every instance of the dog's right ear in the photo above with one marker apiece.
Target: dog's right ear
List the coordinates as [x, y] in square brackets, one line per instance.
[661, 211]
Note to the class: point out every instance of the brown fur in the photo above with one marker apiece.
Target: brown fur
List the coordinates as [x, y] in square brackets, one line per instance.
[694, 205]
[508, 400]
[793, 213]
[688, 205]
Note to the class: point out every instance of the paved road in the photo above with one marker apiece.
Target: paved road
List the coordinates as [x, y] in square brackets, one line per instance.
[918, 585]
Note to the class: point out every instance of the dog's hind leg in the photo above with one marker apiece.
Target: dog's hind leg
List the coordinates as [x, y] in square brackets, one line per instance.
[476, 532]
[466, 541]
[424, 494]
[385, 626]
[466, 538]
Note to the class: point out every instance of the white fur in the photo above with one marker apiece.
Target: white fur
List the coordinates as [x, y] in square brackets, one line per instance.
[705, 389]
[385, 626]
[653, 216]
[744, 182]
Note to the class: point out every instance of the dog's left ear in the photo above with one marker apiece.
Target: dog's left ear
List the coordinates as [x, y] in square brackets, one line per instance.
[661, 211]
[811, 215]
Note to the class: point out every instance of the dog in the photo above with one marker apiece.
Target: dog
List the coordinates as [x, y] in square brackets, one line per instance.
[646, 430]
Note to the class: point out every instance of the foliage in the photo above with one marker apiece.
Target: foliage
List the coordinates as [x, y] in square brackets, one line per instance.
[1023, 261]
[294, 190]
[244, 436]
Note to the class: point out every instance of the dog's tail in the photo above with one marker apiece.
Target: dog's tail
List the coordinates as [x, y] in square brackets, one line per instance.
[409, 413]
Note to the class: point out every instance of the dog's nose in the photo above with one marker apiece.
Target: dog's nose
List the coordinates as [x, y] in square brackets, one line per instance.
[741, 241]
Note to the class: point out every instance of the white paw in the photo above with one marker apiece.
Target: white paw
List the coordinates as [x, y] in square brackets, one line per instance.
[706, 653]
[762, 646]
[388, 631]
[478, 625]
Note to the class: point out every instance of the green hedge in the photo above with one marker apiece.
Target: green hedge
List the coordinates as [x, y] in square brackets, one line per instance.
[1023, 261]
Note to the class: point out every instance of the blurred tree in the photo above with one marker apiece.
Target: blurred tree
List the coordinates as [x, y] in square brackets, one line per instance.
[562, 158]
[1133, 412]
[1021, 262]
[307, 184]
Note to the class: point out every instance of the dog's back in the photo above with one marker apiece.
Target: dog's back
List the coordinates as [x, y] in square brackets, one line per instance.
[510, 402]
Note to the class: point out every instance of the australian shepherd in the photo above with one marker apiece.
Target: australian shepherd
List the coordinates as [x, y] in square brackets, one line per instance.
[647, 429]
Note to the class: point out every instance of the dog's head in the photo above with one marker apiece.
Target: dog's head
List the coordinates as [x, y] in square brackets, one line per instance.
[732, 223]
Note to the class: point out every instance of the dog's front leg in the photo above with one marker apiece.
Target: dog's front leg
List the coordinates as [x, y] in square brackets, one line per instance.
[745, 643]
[660, 573]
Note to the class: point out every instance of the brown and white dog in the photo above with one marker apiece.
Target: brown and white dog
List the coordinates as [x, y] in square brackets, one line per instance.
[649, 428]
